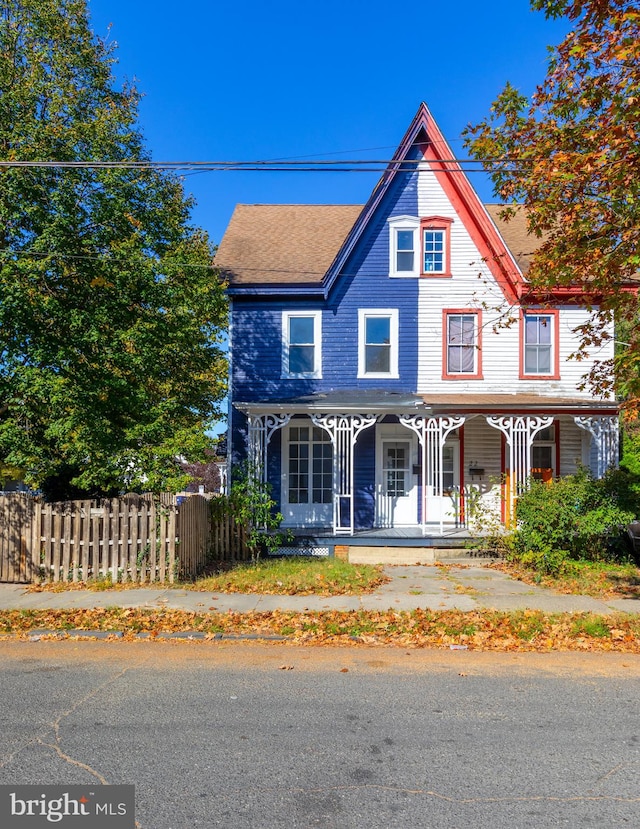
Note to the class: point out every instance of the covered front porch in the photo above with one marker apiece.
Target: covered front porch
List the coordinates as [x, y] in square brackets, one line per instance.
[386, 467]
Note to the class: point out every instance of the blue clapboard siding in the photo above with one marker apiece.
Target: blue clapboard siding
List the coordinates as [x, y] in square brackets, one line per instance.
[274, 466]
[256, 348]
[363, 282]
[364, 479]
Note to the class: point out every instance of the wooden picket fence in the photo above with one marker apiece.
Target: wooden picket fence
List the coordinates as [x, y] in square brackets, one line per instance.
[16, 527]
[137, 538]
[228, 537]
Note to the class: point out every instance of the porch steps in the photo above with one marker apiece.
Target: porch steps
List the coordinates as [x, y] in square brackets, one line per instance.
[404, 555]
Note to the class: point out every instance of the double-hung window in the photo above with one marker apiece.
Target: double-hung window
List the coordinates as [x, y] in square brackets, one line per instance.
[301, 341]
[461, 341]
[540, 344]
[378, 343]
[404, 253]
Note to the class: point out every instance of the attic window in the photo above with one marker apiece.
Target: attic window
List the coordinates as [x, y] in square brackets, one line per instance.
[436, 246]
[404, 252]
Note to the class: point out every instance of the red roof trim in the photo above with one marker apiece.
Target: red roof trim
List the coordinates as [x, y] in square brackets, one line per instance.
[472, 212]
[425, 133]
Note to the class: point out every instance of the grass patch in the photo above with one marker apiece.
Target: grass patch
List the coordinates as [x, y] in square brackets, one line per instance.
[528, 624]
[600, 579]
[591, 625]
[296, 576]
[463, 629]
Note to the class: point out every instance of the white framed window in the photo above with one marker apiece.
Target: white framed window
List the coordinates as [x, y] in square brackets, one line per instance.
[309, 466]
[301, 344]
[404, 253]
[378, 342]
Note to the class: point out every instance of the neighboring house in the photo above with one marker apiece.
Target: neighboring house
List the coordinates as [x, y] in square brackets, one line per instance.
[374, 383]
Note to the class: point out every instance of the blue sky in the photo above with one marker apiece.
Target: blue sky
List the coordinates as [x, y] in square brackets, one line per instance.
[266, 80]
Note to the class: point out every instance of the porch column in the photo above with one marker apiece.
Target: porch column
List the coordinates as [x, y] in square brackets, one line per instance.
[261, 429]
[343, 430]
[519, 432]
[432, 433]
[604, 430]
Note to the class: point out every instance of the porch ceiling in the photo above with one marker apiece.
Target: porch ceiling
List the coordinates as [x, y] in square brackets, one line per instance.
[385, 402]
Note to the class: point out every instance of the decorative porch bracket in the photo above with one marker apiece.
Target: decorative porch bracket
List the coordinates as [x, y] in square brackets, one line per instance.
[343, 430]
[261, 429]
[604, 430]
[519, 432]
[432, 433]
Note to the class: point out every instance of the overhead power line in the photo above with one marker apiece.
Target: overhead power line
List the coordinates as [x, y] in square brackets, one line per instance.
[333, 166]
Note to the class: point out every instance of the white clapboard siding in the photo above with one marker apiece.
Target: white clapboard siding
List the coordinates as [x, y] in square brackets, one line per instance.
[473, 286]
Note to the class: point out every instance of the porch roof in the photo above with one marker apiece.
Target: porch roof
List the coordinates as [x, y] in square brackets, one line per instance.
[386, 402]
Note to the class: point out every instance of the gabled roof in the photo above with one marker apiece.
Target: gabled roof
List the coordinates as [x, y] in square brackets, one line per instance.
[279, 248]
[283, 244]
[295, 244]
[515, 233]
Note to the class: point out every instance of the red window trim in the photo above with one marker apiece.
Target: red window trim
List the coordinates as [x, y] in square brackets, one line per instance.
[436, 223]
[477, 375]
[555, 343]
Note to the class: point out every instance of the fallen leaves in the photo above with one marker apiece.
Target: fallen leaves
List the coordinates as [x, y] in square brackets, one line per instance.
[598, 579]
[450, 629]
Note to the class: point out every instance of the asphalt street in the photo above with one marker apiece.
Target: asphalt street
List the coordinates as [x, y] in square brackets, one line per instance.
[246, 736]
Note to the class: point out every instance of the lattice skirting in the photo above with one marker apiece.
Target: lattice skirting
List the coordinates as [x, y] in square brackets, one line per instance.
[317, 552]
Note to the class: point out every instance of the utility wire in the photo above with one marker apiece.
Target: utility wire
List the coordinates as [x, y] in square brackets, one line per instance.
[351, 165]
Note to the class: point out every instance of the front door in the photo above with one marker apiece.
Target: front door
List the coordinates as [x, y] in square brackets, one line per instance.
[396, 502]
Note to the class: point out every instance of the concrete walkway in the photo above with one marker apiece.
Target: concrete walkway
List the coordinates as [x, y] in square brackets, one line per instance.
[469, 587]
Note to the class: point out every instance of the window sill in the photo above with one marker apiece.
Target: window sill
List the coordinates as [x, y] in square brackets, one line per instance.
[462, 376]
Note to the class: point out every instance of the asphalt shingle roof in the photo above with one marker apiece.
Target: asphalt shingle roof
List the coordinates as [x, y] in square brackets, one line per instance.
[295, 244]
[273, 244]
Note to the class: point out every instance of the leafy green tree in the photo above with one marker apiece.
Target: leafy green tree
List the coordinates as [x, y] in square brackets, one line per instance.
[571, 155]
[111, 315]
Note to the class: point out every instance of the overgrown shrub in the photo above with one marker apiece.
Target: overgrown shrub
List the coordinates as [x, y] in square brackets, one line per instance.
[252, 505]
[483, 519]
[573, 517]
